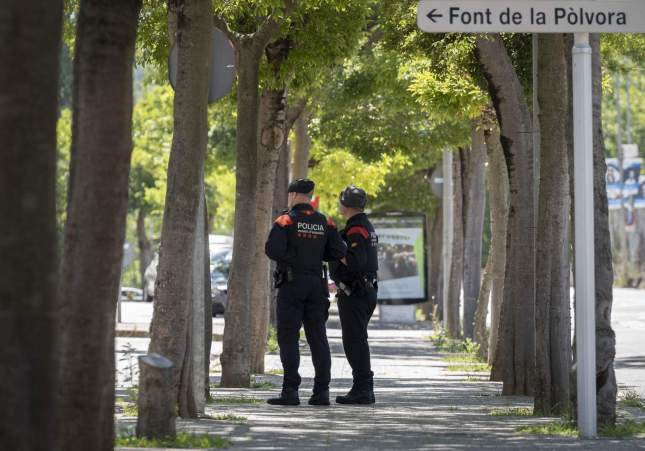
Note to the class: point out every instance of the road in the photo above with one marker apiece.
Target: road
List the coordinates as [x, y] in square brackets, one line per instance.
[628, 320]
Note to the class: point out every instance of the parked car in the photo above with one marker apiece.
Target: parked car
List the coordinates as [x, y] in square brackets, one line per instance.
[220, 267]
[131, 294]
[221, 252]
[150, 277]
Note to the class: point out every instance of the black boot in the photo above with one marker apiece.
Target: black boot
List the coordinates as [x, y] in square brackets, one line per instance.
[320, 398]
[288, 397]
[371, 390]
[357, 395]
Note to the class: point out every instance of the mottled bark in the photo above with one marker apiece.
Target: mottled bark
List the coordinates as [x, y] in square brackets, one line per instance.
[95, 227]
[605, 337]
[498, 189]
[473, 218]
[29, 50]
[514, 361]
[552, 303]
[169, 331]
[453, 328]
[272, 136]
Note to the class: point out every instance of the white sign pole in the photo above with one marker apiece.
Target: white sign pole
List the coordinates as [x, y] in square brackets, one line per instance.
[448, 231]
[584, 238]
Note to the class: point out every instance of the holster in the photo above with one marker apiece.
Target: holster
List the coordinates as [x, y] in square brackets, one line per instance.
[281, 276]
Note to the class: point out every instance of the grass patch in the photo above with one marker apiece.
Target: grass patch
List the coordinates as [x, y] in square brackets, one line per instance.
[565, 428]
[275, 371]
[272, 340]
[128, 409]
[236, 400]
[632, 399]
[263, 385]
[182, 440]
[512, 412]
[454, 346]
[228, 417]
[476, 379]
[461, 358]
[629, 428]
[560, 428]
[469, 368]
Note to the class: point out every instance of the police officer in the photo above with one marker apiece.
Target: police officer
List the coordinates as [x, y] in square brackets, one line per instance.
[355, 278]
[299, 241]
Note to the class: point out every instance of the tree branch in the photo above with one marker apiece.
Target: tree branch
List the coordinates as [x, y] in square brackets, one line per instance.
[271, 25]
[294, 112]
[231, 34]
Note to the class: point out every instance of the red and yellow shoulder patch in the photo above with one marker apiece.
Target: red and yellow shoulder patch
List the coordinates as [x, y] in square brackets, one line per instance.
[284, 221]
[358, 230]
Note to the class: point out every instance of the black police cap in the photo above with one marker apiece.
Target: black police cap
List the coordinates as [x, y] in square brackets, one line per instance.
[353, 197]
[303, 186]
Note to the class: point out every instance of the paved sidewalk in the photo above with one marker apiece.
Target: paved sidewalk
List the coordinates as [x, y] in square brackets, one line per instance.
[419, 406]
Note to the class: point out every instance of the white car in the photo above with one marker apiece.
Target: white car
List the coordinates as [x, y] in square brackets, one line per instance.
[150, 277]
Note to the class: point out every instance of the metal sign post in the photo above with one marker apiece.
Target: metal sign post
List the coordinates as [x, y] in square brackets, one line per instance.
[585, 281]
[551, 16]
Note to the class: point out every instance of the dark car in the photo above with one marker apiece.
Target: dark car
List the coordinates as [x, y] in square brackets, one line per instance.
[220, 267]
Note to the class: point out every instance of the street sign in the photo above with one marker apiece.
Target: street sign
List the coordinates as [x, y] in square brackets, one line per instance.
[550, 16]
[436, 182]
[222, 67]
[531, 16]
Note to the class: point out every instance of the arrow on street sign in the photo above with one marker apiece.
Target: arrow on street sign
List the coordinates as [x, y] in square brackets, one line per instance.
[531, 16]
[432, 15]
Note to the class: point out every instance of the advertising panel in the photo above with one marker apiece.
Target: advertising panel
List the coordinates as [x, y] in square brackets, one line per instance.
[402, 258]
[626, 189]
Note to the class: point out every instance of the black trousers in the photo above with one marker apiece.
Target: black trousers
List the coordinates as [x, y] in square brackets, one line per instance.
[304, 301]
[355, 313]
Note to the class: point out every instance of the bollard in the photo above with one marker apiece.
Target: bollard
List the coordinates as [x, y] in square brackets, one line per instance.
[157, 409]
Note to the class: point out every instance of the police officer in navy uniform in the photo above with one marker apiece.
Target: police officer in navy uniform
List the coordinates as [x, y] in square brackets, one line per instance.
[355, 277]
[299, 241]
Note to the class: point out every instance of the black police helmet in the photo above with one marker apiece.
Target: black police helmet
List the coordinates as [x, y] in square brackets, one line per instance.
[302, 186]
[353, 197]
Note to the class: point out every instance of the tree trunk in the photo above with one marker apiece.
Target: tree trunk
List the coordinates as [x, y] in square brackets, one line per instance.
[95, 227]
[479, 332]
[515, 354]
[453, 329]
[303, 146]
[30, 35]
[436, 249]
[272, 136]
[280, 200]
[208, 306]
[552, 303]
[497, 181]
[173, 290]
[473, 217]
[605, 336]
[236, 354]
[191, 388]
[145, 247]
